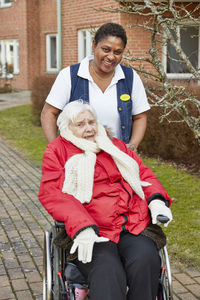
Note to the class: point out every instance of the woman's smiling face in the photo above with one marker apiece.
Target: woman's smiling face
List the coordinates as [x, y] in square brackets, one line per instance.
[108, 53]
[84, 126]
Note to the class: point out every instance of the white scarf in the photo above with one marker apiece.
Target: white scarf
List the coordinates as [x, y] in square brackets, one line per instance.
[79, 169]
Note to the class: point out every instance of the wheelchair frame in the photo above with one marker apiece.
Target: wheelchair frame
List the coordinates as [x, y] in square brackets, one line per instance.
[54, 263]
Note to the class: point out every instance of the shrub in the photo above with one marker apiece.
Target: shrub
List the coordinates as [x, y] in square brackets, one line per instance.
[5, 85]
[172, 141]
[5, 89]
[40, 90]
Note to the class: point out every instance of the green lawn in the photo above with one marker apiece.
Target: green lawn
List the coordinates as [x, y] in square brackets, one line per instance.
[184, 231]
[17, 129]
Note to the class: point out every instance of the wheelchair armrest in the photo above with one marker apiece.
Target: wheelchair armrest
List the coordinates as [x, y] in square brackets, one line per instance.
[59, 224]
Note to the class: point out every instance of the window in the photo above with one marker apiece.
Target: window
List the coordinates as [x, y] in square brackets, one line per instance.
[5, 3]
[52, 52]
[84, 43]
[190, 43]
[9, 57]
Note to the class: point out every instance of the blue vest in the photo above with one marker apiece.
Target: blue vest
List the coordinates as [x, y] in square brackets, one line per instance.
[80, 90]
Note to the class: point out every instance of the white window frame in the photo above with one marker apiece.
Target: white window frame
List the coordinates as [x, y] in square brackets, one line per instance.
[48, 53]
[84, 51]
[3, 58]
[3, 4]
[164, 58]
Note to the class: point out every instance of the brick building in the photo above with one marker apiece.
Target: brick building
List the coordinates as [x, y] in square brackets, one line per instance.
[27, 27]
[40, 37]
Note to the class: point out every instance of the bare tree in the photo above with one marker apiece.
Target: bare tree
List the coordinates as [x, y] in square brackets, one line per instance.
[164, 20]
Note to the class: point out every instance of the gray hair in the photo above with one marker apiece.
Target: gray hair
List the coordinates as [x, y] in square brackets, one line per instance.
[71, 111]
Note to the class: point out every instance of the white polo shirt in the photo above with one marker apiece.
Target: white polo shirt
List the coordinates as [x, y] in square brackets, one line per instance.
[105, 104]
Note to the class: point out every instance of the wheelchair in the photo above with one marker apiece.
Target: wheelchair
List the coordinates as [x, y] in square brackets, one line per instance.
[59, 286]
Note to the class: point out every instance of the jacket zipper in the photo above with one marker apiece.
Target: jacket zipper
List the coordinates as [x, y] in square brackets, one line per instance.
[126, 221]
[125, 216]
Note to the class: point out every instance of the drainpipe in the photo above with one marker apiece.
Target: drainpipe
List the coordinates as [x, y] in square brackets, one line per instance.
[59, 26]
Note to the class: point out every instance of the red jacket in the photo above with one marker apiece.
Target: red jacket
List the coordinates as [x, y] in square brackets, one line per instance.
[114, 205]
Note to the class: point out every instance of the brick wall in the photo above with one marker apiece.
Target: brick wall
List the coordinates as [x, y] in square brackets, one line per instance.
[29, 21]
[48, 25]
[33, 39]
[13, 25]
[139, 41]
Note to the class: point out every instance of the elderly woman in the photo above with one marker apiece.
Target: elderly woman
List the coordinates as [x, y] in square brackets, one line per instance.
[107, 198]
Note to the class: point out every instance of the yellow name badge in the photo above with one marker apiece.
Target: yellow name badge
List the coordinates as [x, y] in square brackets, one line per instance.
[125, 97]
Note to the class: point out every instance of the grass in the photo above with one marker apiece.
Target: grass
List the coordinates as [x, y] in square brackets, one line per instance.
[183, 233]
[16, 127]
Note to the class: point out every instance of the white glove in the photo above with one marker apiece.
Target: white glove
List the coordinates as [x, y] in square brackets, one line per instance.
[158, 207]
[85, 242]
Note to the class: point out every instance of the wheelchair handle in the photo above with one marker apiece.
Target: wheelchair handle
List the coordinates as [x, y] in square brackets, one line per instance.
[162, 219]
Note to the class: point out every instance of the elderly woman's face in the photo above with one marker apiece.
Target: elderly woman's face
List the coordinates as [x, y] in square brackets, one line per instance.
[84, 126]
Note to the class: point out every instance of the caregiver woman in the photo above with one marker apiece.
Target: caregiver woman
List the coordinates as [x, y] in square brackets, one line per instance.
[106, 197]
[114, 91]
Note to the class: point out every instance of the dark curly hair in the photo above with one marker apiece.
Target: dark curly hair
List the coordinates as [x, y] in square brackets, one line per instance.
[110, 29]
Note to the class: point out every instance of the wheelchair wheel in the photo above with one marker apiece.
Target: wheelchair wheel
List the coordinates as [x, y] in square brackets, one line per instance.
[56, 269]
[165, 284]
[47, 267]
[53, 285]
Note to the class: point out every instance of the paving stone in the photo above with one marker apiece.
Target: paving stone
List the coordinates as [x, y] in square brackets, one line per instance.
[11, 264]
[28, 266]
[33, 277]
[5, 247]
[2, 271]
[13, 233]
[16, 273]
[4, 281]
[197, 279]
[184, 278]
[6, 292]
[187, 296]
[3, 239]
[9, 254]
[22, 295]
[36, 288]
[19, 284]
[194, 288]
[24, 258]
[36, 252]
[39, 260]
[178, 287]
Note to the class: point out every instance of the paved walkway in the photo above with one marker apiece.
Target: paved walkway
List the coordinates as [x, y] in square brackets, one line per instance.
[8, 100]
[22, 222]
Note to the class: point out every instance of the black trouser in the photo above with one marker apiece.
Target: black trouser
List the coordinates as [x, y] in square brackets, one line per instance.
[133, 262]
